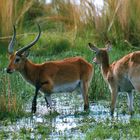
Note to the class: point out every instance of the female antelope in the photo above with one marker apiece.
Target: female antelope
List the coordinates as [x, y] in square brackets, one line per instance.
[53, 76]
[122, 75]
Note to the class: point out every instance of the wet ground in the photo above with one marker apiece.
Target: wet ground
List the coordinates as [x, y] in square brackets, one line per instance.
[68, 121]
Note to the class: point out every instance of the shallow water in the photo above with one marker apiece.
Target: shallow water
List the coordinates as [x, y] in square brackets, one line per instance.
[66, 123]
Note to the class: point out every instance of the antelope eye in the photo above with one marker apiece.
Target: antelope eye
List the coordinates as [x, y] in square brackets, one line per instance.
[96, 53]
[17, 60]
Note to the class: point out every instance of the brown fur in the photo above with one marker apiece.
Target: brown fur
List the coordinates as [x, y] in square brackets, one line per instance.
[122, 75]
[54, 73]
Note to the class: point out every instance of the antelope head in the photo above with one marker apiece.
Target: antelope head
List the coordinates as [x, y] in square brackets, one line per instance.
[18, 58]
[101, 54]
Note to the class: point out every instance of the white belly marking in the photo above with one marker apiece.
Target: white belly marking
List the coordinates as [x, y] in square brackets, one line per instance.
[69, 87]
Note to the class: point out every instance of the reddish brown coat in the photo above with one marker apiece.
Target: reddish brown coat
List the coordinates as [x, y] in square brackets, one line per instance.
[58, 76]
[121, 75]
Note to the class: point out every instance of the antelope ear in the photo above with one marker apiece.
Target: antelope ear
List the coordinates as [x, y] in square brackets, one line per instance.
[26, 53]
[93, 47]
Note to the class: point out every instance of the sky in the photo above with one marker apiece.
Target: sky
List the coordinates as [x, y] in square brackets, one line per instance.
[98, 3]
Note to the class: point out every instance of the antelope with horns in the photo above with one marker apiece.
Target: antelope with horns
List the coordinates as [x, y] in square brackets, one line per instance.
[52, 76]
[121, 76]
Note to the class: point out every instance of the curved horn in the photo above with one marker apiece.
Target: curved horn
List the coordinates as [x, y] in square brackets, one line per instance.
[11, 44]
[20, 51]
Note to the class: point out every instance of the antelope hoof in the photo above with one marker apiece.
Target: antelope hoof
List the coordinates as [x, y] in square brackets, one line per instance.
[131, 113]
[86, 107]
[48, 105]
[33, 110]
[112, 113]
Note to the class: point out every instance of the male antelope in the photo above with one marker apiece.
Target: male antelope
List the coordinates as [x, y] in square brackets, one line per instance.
[122, 75]
[53, 76]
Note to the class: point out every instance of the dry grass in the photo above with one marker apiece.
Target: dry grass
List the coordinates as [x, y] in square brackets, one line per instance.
[12, 12]
[6, 14]
[8, 101]
[117, 21]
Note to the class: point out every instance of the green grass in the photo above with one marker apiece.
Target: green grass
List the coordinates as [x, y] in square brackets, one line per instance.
[16, 93]
[68, 38]
[50, 47]
[12, 97]
[115, 130]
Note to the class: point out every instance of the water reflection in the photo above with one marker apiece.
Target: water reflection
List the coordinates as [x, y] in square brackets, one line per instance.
[66, 122]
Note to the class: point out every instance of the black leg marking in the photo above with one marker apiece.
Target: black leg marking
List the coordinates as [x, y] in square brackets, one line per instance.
[48, 105]
[86, 107]
[34, 102]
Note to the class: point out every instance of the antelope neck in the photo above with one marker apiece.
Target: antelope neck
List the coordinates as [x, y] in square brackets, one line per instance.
[105, 65]
[29, 72]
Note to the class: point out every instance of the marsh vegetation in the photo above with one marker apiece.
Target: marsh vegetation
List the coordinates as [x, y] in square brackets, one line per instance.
[66, 30]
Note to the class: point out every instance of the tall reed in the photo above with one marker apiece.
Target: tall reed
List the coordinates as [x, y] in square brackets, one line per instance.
[10, 101]
[6, 16]
[116, 21]
[12, 12]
